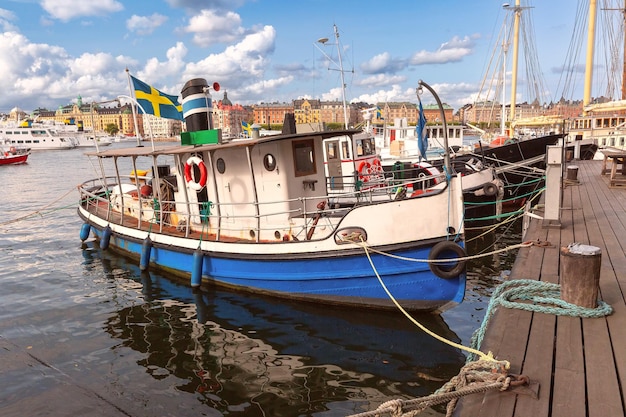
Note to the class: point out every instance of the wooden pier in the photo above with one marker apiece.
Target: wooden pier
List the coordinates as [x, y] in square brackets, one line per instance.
[579, 364]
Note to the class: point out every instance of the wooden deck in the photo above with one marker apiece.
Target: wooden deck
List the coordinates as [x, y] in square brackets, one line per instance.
[580, 364]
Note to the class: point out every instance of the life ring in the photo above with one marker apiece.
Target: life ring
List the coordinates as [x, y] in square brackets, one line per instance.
[193, 184]
[365, 169]
[442, 270]
[377, 166]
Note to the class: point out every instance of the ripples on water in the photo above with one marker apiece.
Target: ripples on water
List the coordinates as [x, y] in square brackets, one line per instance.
[90, 320]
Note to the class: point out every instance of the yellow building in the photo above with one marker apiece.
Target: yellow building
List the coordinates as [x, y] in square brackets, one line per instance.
[81, 114]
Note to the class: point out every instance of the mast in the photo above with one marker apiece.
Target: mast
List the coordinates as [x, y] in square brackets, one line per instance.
[624, 52]
[343, 83]
[517, 14]
[591, 34]
[505, 47]
[323, 41]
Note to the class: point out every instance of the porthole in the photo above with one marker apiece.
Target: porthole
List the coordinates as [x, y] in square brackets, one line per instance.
[221, 165]
[269, 162]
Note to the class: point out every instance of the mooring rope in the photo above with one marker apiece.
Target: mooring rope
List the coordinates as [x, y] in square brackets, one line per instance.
[485, 373]
[39, 212]
[534, 296]
[479, 376]
[417, 323]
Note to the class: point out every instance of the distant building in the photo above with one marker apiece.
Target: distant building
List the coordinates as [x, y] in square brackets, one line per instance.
[271, 113]
[228, 116]
[81, 114]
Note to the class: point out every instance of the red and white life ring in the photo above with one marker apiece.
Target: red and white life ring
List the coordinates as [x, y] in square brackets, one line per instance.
[189, 175]
[366, 169]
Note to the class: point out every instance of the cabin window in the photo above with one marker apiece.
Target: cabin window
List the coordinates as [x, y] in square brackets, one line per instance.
[220, 165]
[304, 157]
[332, 151]
[365, 147]
[345, 150]
[269, 162]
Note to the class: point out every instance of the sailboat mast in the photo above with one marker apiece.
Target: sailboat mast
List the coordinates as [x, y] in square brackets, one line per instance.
[505, 47]
[591, 35]
[624, 51]
[517, 12]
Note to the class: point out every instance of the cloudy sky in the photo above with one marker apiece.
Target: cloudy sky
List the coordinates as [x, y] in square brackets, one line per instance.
[52, 51]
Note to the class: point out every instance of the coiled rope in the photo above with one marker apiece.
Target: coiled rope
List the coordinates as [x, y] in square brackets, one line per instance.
[534, 296]
[479, 376]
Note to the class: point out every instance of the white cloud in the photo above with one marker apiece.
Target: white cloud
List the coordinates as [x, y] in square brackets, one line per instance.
[453, 51]
[395, 93]
[6, 16]
[34, 75]
[210, 27]
[237, 62]
[145, 25]
[381, 80]
[69, 9]
[155, 70]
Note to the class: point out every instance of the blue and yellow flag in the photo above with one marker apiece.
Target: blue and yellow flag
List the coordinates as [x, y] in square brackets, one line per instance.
[379, 114]
[156, 102]
[245, 126]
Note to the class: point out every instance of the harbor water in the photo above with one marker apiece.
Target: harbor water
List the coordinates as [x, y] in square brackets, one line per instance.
[144, 344]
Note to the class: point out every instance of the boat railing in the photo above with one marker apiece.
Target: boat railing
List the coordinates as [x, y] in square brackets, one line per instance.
[121, 200]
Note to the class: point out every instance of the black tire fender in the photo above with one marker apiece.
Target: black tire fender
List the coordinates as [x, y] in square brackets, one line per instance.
[448, 248]
[490, 189]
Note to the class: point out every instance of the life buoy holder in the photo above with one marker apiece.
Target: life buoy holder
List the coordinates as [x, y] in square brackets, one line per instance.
[456, 265]
[366, 169]
[189, 175]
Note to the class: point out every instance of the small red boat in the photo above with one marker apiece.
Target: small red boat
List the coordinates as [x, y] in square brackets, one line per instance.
[13, 156]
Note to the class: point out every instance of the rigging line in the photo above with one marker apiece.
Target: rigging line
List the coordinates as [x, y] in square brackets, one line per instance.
[567, 79]
[487, 68]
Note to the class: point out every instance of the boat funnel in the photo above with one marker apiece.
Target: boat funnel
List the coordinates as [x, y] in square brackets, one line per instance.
[197, 105]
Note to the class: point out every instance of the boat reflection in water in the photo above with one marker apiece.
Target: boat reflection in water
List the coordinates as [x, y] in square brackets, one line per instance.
[246, 355]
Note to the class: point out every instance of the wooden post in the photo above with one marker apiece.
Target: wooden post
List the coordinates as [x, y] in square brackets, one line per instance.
[580, 274]
[572, 173]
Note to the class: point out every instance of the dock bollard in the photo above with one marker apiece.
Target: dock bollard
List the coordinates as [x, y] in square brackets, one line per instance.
[572, 173]
[580, 274]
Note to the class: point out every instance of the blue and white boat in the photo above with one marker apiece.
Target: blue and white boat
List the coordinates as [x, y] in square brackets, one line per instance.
[256, 215]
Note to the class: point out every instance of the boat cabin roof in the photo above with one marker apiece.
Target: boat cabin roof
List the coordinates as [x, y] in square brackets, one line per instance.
[180, 149]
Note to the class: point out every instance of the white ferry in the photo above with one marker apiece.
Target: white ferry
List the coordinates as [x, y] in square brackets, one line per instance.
[36, 138]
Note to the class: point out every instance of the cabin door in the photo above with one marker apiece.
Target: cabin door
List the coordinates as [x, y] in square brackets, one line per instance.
[333, 164]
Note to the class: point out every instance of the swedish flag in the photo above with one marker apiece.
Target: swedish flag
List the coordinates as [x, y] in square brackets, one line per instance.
[156, 102]
[245, 126]
[379, 114]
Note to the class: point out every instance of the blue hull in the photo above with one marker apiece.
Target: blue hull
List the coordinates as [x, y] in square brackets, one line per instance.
[345, 280]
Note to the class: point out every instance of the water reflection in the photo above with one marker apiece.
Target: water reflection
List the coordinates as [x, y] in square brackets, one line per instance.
[246, 355]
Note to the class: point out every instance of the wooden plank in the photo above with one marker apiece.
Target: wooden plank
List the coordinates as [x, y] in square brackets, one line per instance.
[568, 390]
[568, 395]
[538, 363]
[603, 389]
